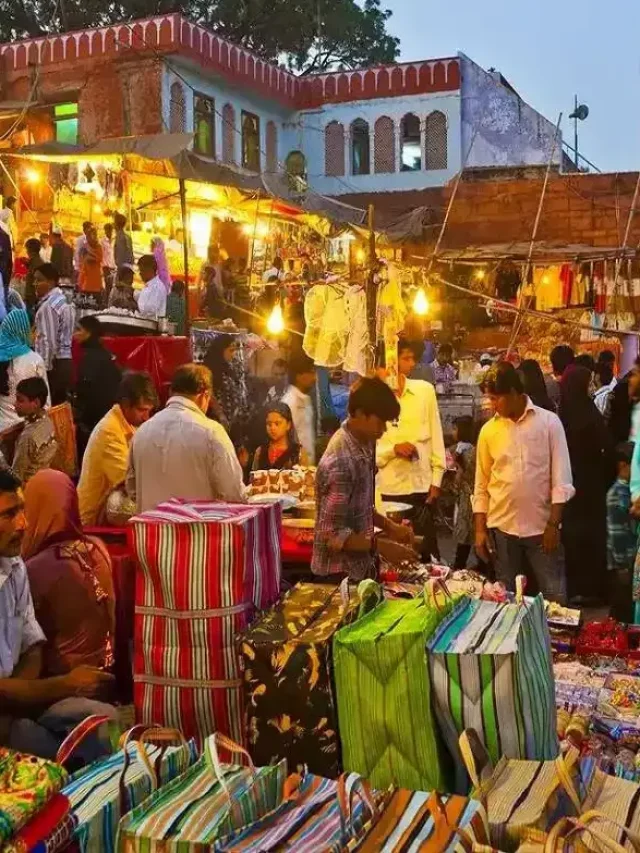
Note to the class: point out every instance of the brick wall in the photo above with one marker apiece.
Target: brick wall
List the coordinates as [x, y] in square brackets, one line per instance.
[115, 98]
[588, 209]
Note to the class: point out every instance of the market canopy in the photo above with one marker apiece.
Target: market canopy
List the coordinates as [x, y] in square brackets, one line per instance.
[543, 252]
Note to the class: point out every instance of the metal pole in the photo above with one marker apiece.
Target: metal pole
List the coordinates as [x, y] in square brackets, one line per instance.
[575, 134]
[185, 251]
[371, 291]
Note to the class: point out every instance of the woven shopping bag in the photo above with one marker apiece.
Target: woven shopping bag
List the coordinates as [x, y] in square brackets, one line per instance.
[491, 671]
[101, 794]
[288, 679]
[30, 786]
[316, 815]
[589, 833]
[615, 800]
[210, 801]
[386, 722]
[523, 799]
[204, 569]
[427, 823]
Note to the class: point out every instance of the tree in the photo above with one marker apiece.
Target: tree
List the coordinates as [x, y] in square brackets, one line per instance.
[308, 35]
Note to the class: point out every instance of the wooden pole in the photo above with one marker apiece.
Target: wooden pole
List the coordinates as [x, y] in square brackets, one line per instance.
[185, 251]
[371, 291]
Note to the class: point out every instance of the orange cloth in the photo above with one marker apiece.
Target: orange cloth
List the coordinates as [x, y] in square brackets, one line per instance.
[90, 277]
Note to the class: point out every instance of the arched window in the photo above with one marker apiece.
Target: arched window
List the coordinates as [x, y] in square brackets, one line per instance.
[360, 148]
[334, 149]
[250, 141]
[228, 134]
[384, 153]
[272, 146]
[204, 125]
[436, 147]
[411, 143]
[177, 109]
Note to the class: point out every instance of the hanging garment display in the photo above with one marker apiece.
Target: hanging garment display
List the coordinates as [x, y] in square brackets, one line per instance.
[355, 357]
[327, 320]
[548, 288]
[567, 276]
[600, 296]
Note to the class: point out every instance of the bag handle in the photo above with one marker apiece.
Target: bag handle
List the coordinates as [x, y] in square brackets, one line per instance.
[213, 759]
[162, 736]
[564, 763]
[346, 794]
[135, 735]
[79, 735]
[555, 842]
[431, 588]
[476, 758]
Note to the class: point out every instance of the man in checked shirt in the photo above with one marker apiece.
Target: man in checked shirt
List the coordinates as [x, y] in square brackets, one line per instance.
[54, 322]
[345, 542]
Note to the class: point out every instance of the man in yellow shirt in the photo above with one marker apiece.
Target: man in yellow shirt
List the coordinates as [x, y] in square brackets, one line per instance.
[104, 466]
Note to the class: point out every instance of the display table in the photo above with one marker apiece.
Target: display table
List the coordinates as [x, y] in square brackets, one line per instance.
[160, 356]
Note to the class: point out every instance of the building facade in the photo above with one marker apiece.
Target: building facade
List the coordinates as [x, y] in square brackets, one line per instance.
[403, 127]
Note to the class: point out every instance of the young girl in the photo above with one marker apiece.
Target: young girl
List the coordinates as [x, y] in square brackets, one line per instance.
[282, 450]
[465, 454]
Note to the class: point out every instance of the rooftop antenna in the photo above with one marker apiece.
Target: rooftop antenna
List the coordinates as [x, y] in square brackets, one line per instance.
[580, 113]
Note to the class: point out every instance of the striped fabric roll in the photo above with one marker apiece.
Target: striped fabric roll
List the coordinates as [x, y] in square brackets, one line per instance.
[95, 793]
[491, 671]
[418, 821]
[386, 722]
[204, 570]
[196, 809]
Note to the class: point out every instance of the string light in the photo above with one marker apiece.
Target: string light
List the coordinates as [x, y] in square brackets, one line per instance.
[275, 323]
[421, 303]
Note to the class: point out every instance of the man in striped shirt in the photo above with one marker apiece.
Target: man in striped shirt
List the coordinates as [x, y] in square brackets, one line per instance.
[55, 322]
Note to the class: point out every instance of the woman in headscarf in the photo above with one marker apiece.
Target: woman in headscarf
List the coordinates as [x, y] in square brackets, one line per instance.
[69, 575]
[17, 362]
[584, 529]
[282, 449]
[228, 380]
[534, 385]
[159, 253]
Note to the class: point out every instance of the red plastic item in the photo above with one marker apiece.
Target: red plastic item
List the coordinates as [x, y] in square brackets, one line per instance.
[609, 638]
[160, 356]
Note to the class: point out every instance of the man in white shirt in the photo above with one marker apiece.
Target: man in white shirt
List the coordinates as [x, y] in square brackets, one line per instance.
[411, 455]
[152, 300]
[180, 453]
[523, 481]
[302, 376]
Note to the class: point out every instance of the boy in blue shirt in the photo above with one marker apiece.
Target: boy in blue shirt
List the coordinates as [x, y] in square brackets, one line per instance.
[621, 533]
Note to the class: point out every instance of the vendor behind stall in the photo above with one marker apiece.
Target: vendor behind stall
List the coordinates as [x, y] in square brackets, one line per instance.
[345, 541]
[152, 299]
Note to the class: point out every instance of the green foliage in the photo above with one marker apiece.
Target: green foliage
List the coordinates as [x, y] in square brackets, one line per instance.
[307, 35]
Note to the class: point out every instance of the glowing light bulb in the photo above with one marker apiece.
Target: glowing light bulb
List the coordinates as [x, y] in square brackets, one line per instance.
[161, 223]
[360, 256]
[275, 323]
[33, 176]
[421, 303]
[97, 208]
[480, 274]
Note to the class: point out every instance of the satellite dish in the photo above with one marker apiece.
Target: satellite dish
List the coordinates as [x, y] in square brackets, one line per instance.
[581, 113]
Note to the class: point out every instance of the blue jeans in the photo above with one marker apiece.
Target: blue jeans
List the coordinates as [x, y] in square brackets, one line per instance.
[44, 736]
[515, 556]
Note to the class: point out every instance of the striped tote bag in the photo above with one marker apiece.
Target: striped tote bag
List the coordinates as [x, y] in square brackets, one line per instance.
[491, 671]
[386, 722]
[427, 823]
[101, 794]
[523, 799]
[317, 815]
[210, 801]
[204, 569]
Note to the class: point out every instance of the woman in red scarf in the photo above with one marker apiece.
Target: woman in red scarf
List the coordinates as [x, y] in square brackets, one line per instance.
[69, 575]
